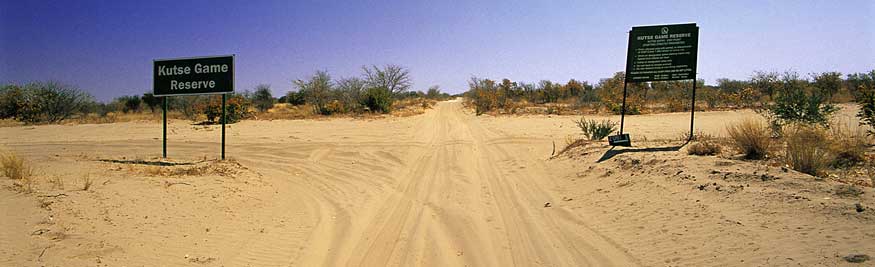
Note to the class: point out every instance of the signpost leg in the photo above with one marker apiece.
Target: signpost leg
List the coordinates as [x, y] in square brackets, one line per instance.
[164, 145]
[623, 109]
[223, 126]
[693, 108]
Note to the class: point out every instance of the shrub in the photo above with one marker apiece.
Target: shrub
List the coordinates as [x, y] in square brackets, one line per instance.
[808, 149]
[129, 103]
[596, 130]
[704, 145]
[750, 137]
[236, 109]
[152, 101]
[40, 102]
[294, 98]
[11, 101]
[262, 98]
[378, 99]
[317, 91]
[704, 148]
[797, 102]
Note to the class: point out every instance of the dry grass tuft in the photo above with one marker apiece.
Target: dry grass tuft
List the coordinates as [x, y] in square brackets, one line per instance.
[751, 137]
[808, 149]
[15, 167]
[57, 182]
[87, 182]
[849, 143]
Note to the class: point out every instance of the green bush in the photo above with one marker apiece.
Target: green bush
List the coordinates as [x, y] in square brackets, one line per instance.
[129, 103]
[596, 130]
[236, 109]
[42, 102]
[262, 98]
[797, 102]
[378, 99]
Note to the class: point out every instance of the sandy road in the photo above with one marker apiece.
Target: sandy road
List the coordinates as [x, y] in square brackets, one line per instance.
[456, 194]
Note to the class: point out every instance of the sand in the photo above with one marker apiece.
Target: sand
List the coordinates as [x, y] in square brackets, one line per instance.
[445, 188]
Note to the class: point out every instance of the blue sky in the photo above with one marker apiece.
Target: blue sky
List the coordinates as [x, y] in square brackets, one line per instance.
[107, 47]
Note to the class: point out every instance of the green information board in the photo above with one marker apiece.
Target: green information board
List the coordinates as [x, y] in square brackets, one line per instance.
[662, 53]
[193, 76]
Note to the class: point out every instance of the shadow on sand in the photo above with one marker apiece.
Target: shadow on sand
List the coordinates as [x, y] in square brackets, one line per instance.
[615, 151]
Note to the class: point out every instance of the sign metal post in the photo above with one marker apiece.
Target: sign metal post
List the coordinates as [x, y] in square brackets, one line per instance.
[659, 53]
[193, 76]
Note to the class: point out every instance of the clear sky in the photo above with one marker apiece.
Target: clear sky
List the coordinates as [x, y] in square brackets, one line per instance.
[107, 47]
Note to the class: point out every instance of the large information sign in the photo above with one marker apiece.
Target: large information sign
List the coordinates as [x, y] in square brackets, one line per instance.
[193, 76]
[662, 53]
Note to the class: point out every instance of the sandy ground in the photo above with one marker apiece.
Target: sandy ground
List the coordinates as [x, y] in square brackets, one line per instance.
[445, 188]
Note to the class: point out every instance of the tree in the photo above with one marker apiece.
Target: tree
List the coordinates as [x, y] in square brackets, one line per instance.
[349, 92]
[394, 78]
[152, 101]
[11, 101]
[378, 99]
[731, 86]
[295, 98]
[262, 98]
[50, 102]
[129, 103]
[317, 91]
[434, 92]
[828, 83]
[797, 102]
[766, 82]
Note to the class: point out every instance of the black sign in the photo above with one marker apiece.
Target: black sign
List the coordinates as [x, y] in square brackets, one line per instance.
[194, 76]
[662, 53]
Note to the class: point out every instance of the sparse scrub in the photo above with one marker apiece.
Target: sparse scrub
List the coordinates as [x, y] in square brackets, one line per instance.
[596, 130]
[808, 149]
[750, 137]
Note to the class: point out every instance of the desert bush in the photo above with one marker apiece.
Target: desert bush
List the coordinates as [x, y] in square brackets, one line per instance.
[394, 78]
[262, 98]
[350, 92]
[750, 137]
[11, 101]
[294, 98]
[42, 102]
[129, 103]
[703, 144]
[797, 102]
[704, 148]
[152, 101]
[596, 130]
[378, 99]
[236, 108]
[317, 91]
[808, 149]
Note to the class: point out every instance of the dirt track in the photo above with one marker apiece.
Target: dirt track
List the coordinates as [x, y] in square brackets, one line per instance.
[445, 188]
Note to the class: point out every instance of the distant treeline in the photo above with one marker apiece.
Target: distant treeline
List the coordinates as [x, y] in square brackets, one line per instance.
[506, 95]
[373, 92]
